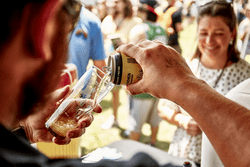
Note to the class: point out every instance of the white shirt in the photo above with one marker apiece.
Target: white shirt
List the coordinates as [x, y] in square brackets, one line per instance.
[230, 78]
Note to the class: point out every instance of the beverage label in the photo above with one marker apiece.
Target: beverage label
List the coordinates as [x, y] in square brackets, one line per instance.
[131, 70]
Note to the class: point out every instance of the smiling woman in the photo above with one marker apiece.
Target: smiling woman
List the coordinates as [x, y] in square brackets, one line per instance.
[218, 59]
[215, 61]
[214, 38]
[222, 27]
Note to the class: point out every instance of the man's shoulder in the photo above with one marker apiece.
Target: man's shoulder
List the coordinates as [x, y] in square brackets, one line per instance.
[15, 149]
[87, 16]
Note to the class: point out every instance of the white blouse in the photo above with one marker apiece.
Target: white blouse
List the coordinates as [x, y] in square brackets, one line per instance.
[231, 77]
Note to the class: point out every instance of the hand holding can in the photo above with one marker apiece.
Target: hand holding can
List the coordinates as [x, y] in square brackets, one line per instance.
[124, 69]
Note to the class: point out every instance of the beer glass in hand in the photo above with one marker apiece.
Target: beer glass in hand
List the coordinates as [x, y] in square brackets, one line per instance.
[93, 86]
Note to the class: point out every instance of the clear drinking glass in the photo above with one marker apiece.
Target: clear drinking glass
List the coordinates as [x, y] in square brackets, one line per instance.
[93, 88]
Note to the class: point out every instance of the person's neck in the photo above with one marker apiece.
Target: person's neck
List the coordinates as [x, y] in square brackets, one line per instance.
[215, 63]
[144, 18]
[119, 16]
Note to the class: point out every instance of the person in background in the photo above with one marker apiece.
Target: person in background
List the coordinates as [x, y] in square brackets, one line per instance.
[241, 13]
[150, 29]
[86, 42]
[215, 61]
[244, 31]
[190, 11]
[119, 22]
[143, 107]
[171, 20]
[102, 9]
[90, 5]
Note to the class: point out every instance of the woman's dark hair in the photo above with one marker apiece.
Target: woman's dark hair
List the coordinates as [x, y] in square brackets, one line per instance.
[128, 11]
[225, 10]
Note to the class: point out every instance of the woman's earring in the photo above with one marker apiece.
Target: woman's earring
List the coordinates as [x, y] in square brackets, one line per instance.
[231, 42]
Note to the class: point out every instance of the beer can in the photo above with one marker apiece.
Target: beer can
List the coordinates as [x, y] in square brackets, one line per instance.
[124, 69]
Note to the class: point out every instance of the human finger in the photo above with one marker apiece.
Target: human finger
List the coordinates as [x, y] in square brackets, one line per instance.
[193, 128]
[55, 99]
[148, 44]
[97, 109]
[194, 132]
[59, 94]
[81, 110]
[135, 88]
[83, 123]
[75, 133]
[87, 104]
[130, 50]
[61, 141]
[86, 120]
[78, 107]
[159, 42]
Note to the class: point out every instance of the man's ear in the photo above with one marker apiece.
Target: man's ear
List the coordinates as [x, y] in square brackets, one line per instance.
[43, 28]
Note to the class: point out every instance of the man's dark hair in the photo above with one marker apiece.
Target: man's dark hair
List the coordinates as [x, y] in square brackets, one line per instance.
[151, 17]
[10, 17]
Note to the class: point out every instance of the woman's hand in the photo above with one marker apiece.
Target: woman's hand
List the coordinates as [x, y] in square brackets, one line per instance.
[190, 126]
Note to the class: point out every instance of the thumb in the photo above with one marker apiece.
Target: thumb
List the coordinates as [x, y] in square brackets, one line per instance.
[59, 94]
[54, 99]
[135, 88]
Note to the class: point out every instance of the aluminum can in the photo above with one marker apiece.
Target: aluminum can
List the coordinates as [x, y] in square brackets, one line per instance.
[124, 69]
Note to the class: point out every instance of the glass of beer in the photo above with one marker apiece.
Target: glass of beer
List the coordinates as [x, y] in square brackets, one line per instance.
[93, 86]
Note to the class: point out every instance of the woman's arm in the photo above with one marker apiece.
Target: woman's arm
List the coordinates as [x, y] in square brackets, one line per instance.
[170, 112]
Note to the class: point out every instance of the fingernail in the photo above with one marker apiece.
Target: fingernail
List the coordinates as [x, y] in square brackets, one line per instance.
[71, 134]
[54, 140]
[83, 125]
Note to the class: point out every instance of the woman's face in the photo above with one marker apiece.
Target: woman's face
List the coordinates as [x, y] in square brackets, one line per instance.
[214, 37]
[119, 6]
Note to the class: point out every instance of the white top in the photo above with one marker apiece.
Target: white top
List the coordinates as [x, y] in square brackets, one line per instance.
[231, 76]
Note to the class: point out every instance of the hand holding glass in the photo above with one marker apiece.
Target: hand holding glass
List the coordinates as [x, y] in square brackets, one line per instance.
[93, 89]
